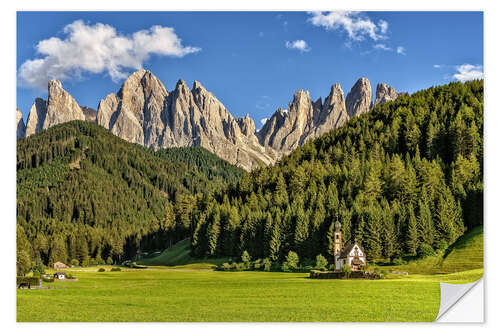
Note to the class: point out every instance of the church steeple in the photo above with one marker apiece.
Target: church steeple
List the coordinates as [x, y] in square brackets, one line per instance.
[337, 239]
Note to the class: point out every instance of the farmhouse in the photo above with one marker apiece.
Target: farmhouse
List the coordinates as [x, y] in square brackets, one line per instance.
[352, 255]
[60, 265]
[59, 276]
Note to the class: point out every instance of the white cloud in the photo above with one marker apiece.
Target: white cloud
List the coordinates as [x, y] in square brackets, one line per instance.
[357, 25]
[436, 66]
[383, 25]
[300, 45]
[96, 49]
[467, 72]
[383, 47]
[263, 121]
[401, 50]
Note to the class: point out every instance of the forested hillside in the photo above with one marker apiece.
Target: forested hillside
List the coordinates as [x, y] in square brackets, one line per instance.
[85, 194]
[410, 172]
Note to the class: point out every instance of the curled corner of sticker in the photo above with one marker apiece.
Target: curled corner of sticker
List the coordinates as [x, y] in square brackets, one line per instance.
[452, 294]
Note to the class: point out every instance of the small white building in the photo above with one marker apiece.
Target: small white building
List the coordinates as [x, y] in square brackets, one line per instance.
[59, 276]
[352, 255]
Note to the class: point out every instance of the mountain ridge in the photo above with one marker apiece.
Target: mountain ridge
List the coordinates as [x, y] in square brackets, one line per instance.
[143, 111]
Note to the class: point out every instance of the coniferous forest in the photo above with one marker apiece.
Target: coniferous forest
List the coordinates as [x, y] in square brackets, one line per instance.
[407, 174]
[84, 194]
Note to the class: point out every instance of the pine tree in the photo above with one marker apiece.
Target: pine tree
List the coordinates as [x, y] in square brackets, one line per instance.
[425, 224]
[82, 251]
[301, 230]
[411, 233]
[213, 231]
[372, 235]
[58, 250]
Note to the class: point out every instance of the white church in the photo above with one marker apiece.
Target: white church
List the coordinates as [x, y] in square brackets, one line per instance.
[352, 255]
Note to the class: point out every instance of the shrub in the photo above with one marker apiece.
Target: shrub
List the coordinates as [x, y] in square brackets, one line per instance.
[321, 262]
[256, 266]
[425, 250]
[74, 262]
[285, 267]
[442, 245]
[267, 264]
[398, 261]
[346, 269]
[101, 270]
[109, 261]
[101, 261]
[245, 258]
[292, 260]
[226, 266]
[116, 269]
[92, 262]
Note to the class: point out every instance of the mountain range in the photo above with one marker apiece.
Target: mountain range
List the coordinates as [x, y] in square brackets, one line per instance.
[144, 112]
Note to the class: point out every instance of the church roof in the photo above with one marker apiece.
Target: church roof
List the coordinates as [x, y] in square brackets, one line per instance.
[349, 248]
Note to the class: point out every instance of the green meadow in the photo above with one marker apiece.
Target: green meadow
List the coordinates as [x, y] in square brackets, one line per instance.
[194, 295]
[189, 290]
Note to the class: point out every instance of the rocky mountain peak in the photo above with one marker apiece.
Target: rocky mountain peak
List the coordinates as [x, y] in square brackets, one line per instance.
[301, 97]
[385, 93]
[55, 84]
[36, 116]
[359, 99]
[61, 106]
[247, 125]
[20, 127]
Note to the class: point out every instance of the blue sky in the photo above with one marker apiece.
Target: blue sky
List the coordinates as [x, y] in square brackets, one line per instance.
[252, 61]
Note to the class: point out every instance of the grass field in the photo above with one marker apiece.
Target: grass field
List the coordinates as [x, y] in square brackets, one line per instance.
[189, 291]
[465, 254]
[177, 295]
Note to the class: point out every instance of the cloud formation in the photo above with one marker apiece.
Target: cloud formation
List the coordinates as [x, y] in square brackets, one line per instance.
[401, 50]
[300, 45]
[263, 121]
[357, 25]
[467, 72]
[98, 49]
[382, 47]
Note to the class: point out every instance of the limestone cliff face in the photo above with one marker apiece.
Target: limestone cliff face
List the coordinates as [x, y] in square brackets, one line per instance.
[36, 117]
[59, 108]
[359, 99]
[144, 112]
[385, 93]
[20, 127]
[304, 120]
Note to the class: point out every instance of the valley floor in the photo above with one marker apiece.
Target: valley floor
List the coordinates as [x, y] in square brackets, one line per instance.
[163, 294]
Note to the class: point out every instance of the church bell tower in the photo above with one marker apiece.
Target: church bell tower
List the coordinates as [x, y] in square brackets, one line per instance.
[337, 241]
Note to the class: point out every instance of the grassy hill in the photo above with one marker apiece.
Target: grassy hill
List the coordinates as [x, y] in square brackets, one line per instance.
[464, 255]
[180, 255]
[84, 193]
